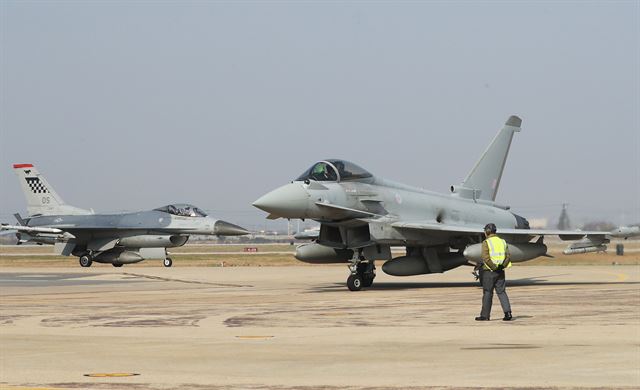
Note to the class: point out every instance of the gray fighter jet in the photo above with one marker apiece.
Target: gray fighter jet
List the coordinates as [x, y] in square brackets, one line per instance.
[362, 216]
[108, 238]
[626, 232]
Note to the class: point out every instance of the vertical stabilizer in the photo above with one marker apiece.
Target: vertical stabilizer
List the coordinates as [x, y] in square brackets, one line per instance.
[484, 179]
[41, 197]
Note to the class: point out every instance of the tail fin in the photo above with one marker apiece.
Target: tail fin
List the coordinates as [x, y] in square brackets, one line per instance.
[41, 197]
[484, 179]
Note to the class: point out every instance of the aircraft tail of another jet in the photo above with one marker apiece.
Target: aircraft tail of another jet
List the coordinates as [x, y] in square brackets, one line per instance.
[484, 179]
[41, 197]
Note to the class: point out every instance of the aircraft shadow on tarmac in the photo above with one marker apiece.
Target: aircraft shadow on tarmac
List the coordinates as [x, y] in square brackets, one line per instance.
[524, 282]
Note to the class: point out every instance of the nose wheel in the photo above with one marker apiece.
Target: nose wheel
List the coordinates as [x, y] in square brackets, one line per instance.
[85, 260]
[362, 274]
[167, 262]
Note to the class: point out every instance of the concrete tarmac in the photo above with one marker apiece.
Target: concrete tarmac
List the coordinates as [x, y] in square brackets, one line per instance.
[299, 327]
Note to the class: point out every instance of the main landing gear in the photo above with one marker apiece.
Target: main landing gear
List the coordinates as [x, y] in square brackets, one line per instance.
[362, 274]
[86, 260]
[168, 262]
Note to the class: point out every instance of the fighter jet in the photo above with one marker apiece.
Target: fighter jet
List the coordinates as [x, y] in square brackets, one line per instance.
[362, 216]
[626, 232]
[108, 238]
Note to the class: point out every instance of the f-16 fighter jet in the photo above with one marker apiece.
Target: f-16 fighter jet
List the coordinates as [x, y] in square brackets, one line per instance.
[362, 216]
[108, 238]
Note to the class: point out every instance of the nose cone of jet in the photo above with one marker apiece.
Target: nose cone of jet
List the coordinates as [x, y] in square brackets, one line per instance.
[288, 201]
[223, 228]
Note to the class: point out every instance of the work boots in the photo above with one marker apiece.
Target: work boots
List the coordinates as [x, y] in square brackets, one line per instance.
[507, 316]
[481, 318]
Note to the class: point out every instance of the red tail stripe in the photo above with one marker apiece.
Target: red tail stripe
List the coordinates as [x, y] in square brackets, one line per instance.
[22, 166]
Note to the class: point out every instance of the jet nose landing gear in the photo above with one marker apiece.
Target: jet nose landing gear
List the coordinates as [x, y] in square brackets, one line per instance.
[86, 260]
[168, 262]
[362, 274]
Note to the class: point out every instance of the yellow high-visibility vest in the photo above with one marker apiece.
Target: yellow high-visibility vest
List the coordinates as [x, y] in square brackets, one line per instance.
[497, 250]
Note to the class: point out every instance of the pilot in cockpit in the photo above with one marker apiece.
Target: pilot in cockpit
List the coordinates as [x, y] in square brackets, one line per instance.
[321, 172]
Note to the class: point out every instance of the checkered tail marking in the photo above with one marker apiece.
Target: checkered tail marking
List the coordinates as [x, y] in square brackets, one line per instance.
[37, 187]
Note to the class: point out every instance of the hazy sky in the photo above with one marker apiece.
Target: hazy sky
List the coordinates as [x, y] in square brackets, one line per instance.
[127, 106]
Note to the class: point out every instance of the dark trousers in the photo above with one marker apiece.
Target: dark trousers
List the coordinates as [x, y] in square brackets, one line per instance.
[493, 280]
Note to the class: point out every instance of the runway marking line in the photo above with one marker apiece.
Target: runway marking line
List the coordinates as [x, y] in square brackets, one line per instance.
[334, 314]
[12, 387]
[111, 374]
[254, 337]
[164, 279]
[620, 277]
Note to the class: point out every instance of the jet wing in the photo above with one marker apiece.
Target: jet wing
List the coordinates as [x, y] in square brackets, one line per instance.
[475, 230]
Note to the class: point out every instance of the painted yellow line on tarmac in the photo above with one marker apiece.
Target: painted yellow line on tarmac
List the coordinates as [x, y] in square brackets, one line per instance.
[620, 277]
[12, 387]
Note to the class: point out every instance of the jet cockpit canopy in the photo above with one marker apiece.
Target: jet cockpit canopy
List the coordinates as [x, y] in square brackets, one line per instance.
[183, 210]
[334, 170]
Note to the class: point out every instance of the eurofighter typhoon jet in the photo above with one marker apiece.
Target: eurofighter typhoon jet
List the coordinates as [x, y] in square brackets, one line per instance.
[108, 238]
[362, 216]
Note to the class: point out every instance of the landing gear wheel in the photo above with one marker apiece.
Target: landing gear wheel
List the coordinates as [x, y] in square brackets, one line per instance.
[117, 264]
[168, 262]
[85, 261]
[354, 282]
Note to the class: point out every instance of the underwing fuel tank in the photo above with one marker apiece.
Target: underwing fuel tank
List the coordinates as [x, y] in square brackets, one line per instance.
[418, 265]
[518, 251]
[153, 241]
[125, 257]
[319, 254]
[120, 256]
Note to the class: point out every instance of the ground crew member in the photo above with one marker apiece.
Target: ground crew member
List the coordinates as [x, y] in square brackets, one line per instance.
[495, 258]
